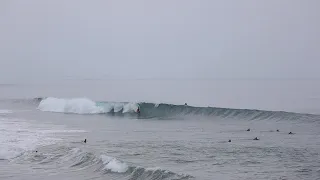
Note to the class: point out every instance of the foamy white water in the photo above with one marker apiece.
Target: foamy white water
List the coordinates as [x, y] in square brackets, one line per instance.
[164, 141]
[78, 105]
[114, 164]
[18, 136]
[84, 106]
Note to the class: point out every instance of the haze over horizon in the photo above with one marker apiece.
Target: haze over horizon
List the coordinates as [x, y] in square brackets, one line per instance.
[205, 39]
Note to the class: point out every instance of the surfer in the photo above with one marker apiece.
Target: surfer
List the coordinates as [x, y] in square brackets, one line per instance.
[229, 140]
[138, 111]
[248, 129]
[277, 130]
[85, 141]
[290, 132]
[185, 104]
[256, 138]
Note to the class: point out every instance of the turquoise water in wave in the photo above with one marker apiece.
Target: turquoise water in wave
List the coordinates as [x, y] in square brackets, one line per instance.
[43, 138]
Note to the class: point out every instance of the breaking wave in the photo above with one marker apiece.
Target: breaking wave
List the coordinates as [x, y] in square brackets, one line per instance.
[78, 105]
[85, 106]
[160, 111]
[63, 157]
[113, 164]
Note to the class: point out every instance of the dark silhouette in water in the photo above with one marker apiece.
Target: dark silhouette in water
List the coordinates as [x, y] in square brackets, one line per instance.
[290, 132]
[277, 130]
[229, 140]
[39, 98]
[256, 138]
[248, 129]
[85, 141]
[185, 104]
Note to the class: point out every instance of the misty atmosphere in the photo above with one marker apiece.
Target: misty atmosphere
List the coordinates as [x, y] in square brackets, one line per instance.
[160, 90]
[182, 39]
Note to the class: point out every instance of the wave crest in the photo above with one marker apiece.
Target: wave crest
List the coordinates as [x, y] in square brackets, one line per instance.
[84, 106]
[114, 164]
[62, 157]
[162, 111]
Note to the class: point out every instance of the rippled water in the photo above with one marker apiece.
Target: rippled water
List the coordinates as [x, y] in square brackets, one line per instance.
[45, 145]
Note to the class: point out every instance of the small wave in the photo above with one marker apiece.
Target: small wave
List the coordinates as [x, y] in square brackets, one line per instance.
[73, 157]
[156, 173]
[114, 164]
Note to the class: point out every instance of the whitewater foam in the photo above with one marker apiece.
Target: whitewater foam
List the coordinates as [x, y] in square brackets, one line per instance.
[130, 107]
[113, 164]
[5, 111]
[85, 106]
[77, 105]
[17, 136]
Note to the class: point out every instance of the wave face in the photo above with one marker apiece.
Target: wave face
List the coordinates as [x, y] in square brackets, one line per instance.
[74, 158]
[160, 111]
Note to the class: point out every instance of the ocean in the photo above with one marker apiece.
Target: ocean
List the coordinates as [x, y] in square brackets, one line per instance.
[182, 129]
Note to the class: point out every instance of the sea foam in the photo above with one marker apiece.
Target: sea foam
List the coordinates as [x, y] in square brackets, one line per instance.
[76, 105]
[85, 106]
[18, 136]
[114, 164]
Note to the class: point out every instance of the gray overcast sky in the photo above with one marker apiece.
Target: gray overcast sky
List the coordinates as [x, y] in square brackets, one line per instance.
[159, 39]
